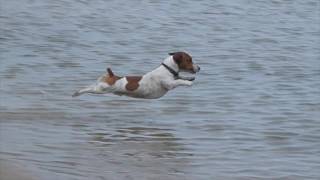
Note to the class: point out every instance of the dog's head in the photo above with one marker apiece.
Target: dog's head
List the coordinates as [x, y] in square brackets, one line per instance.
[184, 62]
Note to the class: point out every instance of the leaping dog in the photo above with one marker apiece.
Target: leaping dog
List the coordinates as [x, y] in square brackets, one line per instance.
[152, 85]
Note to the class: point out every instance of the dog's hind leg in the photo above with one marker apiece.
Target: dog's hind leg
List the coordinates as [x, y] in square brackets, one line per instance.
[89, 89]
[103, 85]
[98, 88]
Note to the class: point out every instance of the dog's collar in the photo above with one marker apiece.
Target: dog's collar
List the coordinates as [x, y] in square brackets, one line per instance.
[173, 72]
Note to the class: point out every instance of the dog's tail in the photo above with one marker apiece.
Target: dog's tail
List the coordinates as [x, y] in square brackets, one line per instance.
[110, 72]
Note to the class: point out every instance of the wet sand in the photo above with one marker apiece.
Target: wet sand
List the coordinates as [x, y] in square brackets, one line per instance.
[12, 171]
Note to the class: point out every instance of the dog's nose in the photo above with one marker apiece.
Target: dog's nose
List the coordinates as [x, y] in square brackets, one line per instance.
[196, 68]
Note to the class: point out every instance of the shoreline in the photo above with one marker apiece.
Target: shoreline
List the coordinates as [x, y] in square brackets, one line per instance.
[13, 171]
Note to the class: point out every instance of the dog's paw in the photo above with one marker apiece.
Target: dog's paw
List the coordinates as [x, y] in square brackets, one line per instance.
[76, 94]
[188, 83]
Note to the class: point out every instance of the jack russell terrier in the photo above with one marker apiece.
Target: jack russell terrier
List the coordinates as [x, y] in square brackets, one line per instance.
[152, 85]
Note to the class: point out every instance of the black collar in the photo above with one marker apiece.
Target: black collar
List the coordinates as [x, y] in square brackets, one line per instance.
[173, 72]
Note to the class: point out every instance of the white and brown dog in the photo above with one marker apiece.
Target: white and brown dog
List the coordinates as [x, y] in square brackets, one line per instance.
[152, 85]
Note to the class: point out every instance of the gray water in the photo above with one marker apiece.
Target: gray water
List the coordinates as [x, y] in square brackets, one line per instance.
[252, 113]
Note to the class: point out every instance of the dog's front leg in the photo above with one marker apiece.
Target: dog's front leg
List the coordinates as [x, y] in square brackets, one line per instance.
[179, 82]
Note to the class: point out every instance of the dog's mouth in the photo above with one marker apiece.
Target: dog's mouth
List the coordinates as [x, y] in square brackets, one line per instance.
[187, 78]
[193, 70]
[186, 75]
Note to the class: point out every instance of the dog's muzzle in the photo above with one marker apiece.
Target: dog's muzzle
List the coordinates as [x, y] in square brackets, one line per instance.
[196, 68]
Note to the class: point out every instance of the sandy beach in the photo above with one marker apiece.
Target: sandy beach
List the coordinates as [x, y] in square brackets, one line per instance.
[11, 171]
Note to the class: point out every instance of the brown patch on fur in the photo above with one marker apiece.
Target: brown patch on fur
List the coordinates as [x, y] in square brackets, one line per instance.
[183, 60]
[133, 82]
[111, 78]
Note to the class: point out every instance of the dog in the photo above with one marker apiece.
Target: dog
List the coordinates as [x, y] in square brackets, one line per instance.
[151, 85]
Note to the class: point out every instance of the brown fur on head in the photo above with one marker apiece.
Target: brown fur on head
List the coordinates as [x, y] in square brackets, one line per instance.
[184, 61]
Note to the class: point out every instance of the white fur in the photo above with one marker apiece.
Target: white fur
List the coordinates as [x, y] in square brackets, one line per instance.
[153, 84]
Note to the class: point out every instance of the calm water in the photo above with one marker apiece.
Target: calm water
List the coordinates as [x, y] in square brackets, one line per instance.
[252, 113]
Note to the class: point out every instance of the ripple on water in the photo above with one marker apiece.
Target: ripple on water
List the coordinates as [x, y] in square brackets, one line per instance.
[252, 112]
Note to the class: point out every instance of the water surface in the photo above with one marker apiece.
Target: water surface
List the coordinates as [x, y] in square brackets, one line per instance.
[253, 112]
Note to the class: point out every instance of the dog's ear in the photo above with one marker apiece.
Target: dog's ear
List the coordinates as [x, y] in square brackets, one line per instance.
[177, 57]
[171, 54]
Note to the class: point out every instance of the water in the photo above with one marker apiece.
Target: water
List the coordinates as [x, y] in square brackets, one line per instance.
[252, 113]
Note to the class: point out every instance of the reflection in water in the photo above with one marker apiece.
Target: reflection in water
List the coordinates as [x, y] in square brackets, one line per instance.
[252, 112]
[113, 152]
